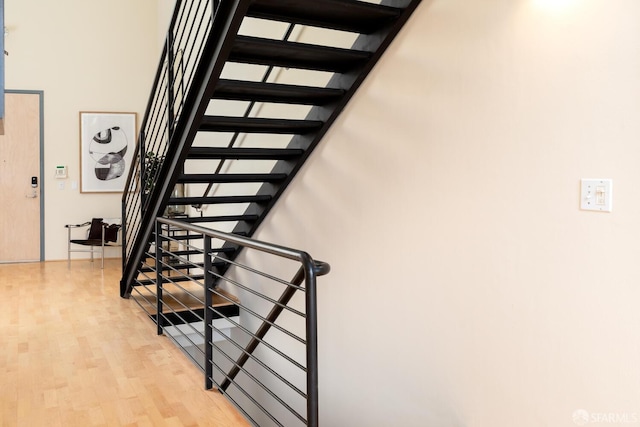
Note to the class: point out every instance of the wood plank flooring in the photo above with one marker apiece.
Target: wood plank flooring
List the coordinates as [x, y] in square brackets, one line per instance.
[73, 353]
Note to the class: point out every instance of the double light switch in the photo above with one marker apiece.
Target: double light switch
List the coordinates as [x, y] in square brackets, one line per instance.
[596, 195]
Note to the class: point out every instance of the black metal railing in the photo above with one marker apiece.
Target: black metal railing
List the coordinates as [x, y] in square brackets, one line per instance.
[171, 102]
[252, 331]
[189, 24]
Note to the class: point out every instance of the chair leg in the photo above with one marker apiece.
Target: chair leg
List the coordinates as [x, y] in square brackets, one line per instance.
[102, 246]
[68, 248]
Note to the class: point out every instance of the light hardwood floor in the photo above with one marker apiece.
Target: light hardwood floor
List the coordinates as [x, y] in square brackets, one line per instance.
[73, 353]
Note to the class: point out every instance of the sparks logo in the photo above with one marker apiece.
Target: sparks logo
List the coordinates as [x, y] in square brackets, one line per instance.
[580, 417]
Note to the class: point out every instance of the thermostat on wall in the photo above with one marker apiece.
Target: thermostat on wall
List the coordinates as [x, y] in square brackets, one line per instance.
[61, 172]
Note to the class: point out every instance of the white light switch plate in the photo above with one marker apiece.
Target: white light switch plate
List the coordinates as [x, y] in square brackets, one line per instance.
[596, 195]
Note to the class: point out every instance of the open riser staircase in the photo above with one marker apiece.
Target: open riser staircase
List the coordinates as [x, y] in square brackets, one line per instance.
[244, 92]
[235, 124]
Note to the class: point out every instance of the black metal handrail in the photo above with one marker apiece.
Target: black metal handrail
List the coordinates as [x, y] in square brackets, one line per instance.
[259, 365]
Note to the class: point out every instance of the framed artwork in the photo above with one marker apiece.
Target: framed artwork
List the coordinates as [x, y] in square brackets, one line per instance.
[107, 143]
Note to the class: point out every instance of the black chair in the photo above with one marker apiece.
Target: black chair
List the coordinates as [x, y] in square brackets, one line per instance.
[99, 235]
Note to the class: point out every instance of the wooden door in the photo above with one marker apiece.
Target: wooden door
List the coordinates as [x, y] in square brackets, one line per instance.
[20, 202]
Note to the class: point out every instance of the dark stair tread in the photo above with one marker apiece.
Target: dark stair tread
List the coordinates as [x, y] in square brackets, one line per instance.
[217, 200]
[179, 316]
[196, 178]
[254, 50]
[239, 90]
[186, 237]
[221, 218]
[150, 265]
[190, 278]
[186, 252]
[180, 237]
[166, 265]
[199, 252]
[213, 153]
[345, 15]
[183, 237]
[258, 125]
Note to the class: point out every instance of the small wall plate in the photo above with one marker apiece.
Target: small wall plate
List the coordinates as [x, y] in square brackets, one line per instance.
[596, 195]
[61, 172]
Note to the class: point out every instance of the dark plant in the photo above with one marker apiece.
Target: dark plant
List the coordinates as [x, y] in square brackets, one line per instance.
[152, 164]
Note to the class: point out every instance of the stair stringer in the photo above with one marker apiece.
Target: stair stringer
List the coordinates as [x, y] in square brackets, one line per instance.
[215, 53]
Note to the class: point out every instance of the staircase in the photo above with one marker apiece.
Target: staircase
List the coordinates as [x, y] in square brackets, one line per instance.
[245, 91]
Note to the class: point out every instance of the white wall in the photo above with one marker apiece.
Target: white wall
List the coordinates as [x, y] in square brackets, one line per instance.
[467, 288]
[86, 55]
[165, 10]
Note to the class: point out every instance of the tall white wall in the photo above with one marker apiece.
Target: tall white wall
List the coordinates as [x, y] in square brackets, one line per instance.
[165, 10]
[86, 55]
[467, 288]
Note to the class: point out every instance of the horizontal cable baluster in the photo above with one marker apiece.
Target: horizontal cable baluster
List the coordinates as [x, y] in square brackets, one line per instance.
[185, 336]
[228, 328]
[265, 366]
[178, 307]
[264, 387]
[265, 343]
[237, 405]
[265, 320]
[248, 396]
[270, 341]
[259, 295]
[265, 275]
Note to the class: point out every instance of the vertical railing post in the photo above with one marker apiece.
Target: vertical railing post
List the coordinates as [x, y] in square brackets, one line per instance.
[311, 305]
[214, 7]
[123, 230]
[143, 170]
[170, 88]
[159, 242]
[208, 315]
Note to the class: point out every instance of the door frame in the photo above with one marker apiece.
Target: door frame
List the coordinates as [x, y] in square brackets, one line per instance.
[40, 94]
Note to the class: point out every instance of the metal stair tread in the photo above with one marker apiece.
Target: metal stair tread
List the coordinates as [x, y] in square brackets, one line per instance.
[215, 153]
[241, 90]
[255, 50]
[216, 200]
[221, 218]
[231, 177]
[198, 252]
[345, 15]
[166, 265]
[147, 282]
[186, 237]
[258, 125]
[180, 316]
[181, 266]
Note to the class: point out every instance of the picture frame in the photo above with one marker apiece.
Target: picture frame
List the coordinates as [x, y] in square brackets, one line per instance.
[107, 145]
